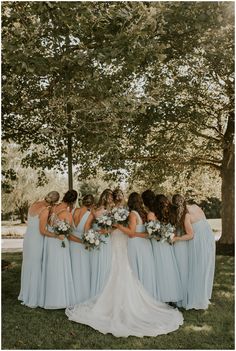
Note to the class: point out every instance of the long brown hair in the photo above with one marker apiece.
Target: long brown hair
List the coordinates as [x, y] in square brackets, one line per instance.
[162, 208]
[135, 203]
[178, 211]
[148, 197]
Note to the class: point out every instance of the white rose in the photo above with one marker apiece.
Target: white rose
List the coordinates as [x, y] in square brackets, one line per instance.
[149, 230]
[92, 241]
[97, 242]
[109, 222]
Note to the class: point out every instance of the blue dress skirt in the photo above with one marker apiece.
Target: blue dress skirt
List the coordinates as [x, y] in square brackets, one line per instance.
[141, 261]
[80, 262]
[181, 252]
[201, 266]
[31, 271]
[100, 263]
[57, 289]
[167, 277]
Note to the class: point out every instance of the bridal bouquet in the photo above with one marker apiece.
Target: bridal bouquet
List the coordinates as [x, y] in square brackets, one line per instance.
[120, 215]
[153, 229]
[62, 227]
[91, 240]
[167, 232]
[104, 221]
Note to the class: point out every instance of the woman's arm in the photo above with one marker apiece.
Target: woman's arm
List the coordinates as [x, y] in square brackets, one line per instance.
[75, 239]
[188, 229]
[130, 230]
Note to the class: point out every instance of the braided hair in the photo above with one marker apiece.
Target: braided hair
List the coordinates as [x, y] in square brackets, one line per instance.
[178, 210]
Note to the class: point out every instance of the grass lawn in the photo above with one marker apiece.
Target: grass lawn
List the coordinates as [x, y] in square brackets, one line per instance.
[25, 328]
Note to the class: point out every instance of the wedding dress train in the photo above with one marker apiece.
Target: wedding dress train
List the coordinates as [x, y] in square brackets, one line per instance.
[124, 307]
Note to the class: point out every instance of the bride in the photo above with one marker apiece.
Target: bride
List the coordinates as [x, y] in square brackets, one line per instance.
[124, 307]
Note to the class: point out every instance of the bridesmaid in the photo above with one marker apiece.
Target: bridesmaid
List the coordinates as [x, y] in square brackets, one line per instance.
[167, 274]
[33, 249]
[180, 218]
[57, 289]
[149, 198]
[201, 260]
[80, 257]
[139, 249]
[100, 260]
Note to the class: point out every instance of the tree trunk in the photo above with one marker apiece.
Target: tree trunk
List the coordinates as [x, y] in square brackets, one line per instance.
[22, 214]
[69, 148]
[227, 188]
[69, 156]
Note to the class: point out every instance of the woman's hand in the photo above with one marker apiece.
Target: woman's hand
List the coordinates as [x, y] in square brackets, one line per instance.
[115, 225]
[61, 237]
[175, 238]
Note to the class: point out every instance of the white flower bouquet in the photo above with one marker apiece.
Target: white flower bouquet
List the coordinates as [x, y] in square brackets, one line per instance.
[104, 221]
[120, 215]
[92, 240]
[153, 229]
[62, 227]
[167, 232]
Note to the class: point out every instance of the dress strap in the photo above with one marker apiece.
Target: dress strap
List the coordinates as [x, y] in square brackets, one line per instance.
[138, 217]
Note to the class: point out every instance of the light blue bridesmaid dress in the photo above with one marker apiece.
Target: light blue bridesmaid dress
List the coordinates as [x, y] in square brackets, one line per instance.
[57, 288]
[80, 261]
[31, 271]
[167, 277]
[100, 263]
[201, 265]
[141, 259]
[181, 252]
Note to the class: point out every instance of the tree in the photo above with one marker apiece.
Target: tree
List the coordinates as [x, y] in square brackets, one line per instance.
[76, 87]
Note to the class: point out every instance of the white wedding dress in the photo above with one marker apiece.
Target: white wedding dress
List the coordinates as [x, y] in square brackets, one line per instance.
[124, 307]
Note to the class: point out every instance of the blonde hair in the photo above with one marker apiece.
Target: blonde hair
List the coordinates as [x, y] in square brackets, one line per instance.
[52, 197]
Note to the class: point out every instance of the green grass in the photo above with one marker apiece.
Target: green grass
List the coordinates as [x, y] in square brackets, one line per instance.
[25, 328]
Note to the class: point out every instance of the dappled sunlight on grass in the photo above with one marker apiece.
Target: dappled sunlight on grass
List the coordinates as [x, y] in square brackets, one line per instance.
[205, 328]
[226, 295]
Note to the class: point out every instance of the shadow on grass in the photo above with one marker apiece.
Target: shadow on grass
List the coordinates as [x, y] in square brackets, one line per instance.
[224, 249]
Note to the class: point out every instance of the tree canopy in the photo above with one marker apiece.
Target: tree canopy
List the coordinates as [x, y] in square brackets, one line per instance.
[141, 89]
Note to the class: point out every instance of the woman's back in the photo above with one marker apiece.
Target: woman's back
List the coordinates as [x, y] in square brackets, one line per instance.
[62, 213]
[196, 213]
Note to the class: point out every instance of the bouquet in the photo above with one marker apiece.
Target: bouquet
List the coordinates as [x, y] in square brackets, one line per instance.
[104, 221]
[153, 229]
[92, 240]
[120, 215]
[62, 227]
[167, 232]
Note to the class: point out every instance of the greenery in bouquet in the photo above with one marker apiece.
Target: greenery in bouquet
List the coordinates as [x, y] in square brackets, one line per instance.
[62, 227]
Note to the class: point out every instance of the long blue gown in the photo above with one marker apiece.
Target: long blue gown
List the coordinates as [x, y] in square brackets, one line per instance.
[167, 277]
[100, 263]
[80, 261]
[141, 259]
[57, 288]
[181, 252]
[201, 265]
[31, 272]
